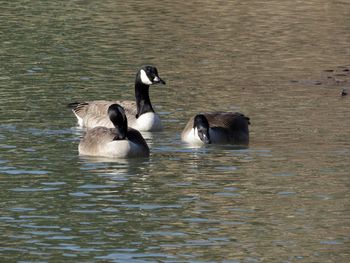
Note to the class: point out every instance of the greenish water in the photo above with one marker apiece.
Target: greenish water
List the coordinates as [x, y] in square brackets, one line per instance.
[284, 199]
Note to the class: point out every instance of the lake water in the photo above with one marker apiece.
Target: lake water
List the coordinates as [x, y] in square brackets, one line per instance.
[282, 63]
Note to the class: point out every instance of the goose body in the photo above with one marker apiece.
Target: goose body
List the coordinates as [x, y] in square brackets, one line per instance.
[140, 113]
[117, 142]
[217, 128]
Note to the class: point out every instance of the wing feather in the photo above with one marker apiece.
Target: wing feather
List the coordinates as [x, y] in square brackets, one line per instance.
[96, 138]
[94, 113]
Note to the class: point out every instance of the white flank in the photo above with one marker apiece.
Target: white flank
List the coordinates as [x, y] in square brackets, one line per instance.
[118, 149]
[115, 149]
[144, 78]
[123, 149]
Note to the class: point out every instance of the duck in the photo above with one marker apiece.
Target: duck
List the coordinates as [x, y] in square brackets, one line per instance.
[217, 128]
[118, 142]
[140, 113]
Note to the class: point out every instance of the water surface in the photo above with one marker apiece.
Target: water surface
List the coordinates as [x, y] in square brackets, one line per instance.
[284, 199]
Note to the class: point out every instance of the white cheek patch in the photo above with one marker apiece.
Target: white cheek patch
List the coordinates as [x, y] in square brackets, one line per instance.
[144, 78]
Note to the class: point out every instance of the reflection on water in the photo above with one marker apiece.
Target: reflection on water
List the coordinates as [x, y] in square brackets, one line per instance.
[283, 199]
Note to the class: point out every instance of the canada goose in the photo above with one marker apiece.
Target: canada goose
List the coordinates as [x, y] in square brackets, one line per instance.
[119, 142]
[140, 114]
[217, 127]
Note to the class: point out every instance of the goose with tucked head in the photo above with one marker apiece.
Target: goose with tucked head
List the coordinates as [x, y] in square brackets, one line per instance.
[140, 113]
[217, 128]
[117, 142]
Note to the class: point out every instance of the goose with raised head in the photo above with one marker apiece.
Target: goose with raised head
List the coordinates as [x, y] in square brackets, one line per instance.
[140, 113]
[217, 128]
[117, 142]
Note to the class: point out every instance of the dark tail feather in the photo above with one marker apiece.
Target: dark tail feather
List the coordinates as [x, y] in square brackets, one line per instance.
[73, 105]
[243, 116]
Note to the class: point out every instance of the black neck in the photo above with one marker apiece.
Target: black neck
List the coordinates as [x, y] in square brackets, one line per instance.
[142, 98]
[121, 126]
[121, 133]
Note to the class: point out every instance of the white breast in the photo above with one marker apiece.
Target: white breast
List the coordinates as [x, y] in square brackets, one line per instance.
[192, 137]
[148, 122]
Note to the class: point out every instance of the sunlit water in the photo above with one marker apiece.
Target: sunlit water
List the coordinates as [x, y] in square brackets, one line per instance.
[284, 199]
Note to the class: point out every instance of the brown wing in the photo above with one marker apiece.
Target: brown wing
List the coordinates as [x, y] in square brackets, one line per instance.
[95, 138]
[130, 110]
[94, 113]
[229, 120]
[233, 124]
[100, 107]
[129, 107]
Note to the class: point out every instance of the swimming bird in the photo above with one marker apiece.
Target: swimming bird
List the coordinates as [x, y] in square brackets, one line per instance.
[118, 142]
[140, 114]
[217, 128]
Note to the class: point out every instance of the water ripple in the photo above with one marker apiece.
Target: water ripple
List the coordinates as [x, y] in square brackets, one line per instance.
[20, 172]
[27, 189]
